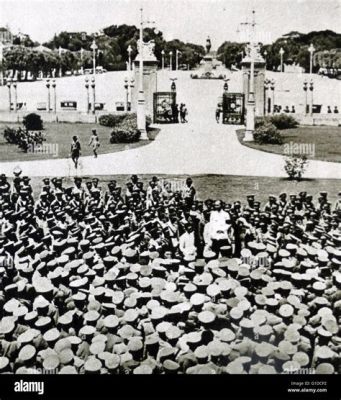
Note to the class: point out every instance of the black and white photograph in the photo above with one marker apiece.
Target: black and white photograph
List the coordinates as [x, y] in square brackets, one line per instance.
[170, 199]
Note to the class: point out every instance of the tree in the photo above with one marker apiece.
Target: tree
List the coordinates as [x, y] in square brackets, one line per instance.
[231, 53]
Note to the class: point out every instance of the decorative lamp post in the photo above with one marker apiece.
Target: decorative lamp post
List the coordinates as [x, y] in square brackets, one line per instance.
[94, 47]
[48, 95]
[9, 85]
[126, 87]
[82, 68]
[173, 85]
[131, 86]
[93, 85]
[305, 88]
[170, 60]
[1, 64]
[129, 50]
[163, 59]
[272, 87]
[311, 50]
[54, 96]
[141, 110]
[281, 52]
[177, 59]
[87, 95]
[267, 84]
[311, 87]
[251, 105]
[60, 61]
[15, 95]
[226, 86]
[265, 54]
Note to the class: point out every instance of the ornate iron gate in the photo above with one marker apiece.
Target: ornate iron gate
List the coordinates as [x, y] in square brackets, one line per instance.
[164, 103]
[233, 108]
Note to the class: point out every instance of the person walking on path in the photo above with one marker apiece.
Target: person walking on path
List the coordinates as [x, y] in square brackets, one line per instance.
[217, 114]
[183, 113]
[94, 142]
[75, 150]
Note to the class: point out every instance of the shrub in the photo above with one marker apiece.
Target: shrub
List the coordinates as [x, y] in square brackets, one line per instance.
[124, 135]
[111, 120]
[283, 121]
[33, 122]
[260, 121]
[10, 135]
[267, 133]
[116, 121]
[295, 166]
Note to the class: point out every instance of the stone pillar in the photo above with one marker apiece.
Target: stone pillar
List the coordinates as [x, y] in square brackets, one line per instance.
[149, 85]
[150, 65]
[258, 82]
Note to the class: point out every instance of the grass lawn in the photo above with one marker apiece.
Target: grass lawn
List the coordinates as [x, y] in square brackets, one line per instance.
[326, 141]
[227, 188]
[61, 134]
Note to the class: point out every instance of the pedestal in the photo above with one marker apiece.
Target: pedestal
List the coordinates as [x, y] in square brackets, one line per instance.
[250, 120]
[149, 85]
[259, 76]
[141, 116]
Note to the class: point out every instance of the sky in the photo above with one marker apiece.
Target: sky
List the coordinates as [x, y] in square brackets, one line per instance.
[187, 20]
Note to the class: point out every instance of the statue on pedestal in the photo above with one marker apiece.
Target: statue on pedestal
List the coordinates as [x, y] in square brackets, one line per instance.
[208, 45]
[148, 51]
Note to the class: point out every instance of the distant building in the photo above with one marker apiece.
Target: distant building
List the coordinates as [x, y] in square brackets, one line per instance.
[42, 48]
[6, 37]
[22, 36]
[76, 34]
[328, 58]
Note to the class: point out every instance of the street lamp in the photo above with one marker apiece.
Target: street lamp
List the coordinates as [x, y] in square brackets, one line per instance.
[94, 47]
[272, 87]
[311, 87]
[177, 59]
[1, 64]
[267, 84]
[265, 54]
[9, 85]
[126, 86]
[82, 69]
[141, 112]
[305, 88]
[281, 52]
[15, 95]
[226, 86]
[129, 49]
[131, 86]
[251, 105]
[93, 85]
[54, 96]
[87, 94]
[60, 61]
[48, 95]
[170, 60]
[173, 85]
[163, 59]
[311, 50]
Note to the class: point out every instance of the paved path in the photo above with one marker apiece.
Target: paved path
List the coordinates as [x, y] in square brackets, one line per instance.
[195, 148]
[200, 147]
